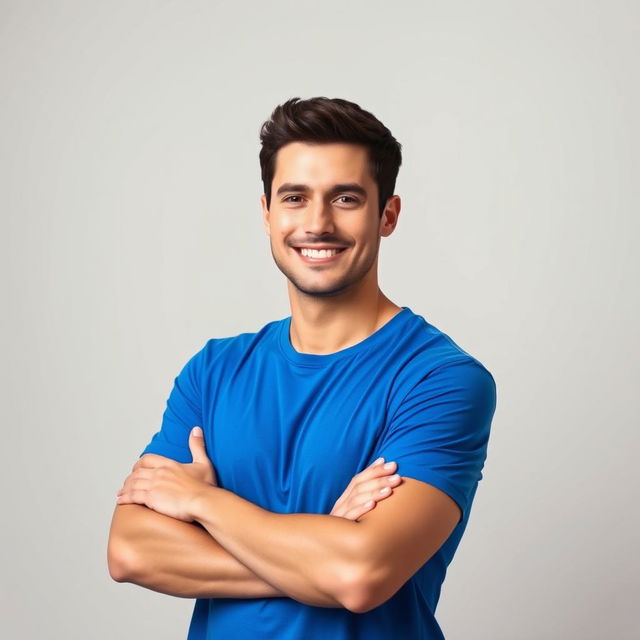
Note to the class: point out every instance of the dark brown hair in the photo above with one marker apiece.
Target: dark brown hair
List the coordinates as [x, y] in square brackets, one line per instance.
[323, 119]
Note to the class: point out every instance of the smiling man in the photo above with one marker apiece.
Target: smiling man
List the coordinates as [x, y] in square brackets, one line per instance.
[276, 513]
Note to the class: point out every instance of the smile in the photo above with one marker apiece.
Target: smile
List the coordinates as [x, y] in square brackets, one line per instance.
[318, 256]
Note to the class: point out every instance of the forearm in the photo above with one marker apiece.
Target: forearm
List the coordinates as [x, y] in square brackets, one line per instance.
[181, 559]
[301, 554]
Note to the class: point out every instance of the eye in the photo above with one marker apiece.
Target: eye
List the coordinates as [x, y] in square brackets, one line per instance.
[288, 199]
[352, 199]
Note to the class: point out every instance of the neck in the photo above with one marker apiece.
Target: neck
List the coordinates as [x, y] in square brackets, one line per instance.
[326, 325]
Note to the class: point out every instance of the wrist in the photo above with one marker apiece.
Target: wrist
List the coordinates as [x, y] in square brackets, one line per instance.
[199, 501]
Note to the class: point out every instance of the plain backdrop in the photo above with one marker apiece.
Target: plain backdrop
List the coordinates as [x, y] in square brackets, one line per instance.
[131, 233]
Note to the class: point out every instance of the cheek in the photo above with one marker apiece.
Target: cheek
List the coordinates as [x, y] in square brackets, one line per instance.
[283, 227]
[364, 235]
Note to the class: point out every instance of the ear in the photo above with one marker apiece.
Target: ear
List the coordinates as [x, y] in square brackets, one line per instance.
[389, 217]
[265, 214]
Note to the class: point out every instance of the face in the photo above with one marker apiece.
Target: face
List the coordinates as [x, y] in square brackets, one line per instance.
[323, 222]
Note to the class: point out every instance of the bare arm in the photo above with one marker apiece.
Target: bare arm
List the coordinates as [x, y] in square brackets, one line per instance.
[359, 563]
[305, 554]
[177, 558]
[180, 559]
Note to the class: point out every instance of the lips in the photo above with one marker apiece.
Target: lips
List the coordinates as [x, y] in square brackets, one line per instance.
[310, 260]
[297, 247]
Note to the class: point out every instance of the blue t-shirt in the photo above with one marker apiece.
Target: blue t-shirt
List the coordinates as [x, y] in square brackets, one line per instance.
[289, 430]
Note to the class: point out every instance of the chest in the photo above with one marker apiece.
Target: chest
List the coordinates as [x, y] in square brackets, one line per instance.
[291, 440]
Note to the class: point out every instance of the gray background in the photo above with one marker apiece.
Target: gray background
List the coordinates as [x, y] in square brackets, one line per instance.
[131, 233]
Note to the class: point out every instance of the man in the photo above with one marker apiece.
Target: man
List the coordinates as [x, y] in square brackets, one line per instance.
[239, 514]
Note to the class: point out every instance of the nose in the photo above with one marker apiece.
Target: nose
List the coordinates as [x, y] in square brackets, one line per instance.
[318, 218]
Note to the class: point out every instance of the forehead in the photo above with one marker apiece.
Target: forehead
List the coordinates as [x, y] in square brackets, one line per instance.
[322, 163]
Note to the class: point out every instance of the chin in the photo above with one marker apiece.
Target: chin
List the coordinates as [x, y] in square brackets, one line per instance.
[321, 292]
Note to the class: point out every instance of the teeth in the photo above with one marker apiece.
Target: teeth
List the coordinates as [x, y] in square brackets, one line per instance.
[322, 253]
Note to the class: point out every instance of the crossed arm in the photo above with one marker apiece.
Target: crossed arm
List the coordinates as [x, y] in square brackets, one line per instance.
[246, 551]
[238, 549]
[358, 563]
[175, 557]
[178, 558]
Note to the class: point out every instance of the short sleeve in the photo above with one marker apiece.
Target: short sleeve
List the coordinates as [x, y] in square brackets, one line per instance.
[440, 431]
[183, 412]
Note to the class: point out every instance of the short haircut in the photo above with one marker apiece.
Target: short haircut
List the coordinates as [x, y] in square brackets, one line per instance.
[321, 119]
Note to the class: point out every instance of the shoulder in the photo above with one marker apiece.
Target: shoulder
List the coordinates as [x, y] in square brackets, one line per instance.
[233, 347]
[428, 359]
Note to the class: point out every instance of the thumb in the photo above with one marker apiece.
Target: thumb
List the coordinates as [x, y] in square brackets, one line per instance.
[196, 446]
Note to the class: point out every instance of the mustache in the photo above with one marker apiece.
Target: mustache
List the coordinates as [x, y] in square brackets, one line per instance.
[307, 242]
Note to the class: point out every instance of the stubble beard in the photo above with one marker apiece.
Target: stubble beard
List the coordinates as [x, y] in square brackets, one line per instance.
[336, 288]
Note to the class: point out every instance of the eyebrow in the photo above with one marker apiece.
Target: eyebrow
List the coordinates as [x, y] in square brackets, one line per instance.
[337, 188]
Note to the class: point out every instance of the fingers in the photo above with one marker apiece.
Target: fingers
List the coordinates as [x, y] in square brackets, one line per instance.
[379, 469]
[138, 496]
[152, 460]
[376, 469]
[366, 489]
[197, 447]
[137, 484]
[141, 473]
[377, 488]
[135, 480]
[359, 510]
[369, 494]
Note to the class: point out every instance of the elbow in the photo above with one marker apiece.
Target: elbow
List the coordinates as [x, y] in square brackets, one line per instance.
[370, 587]
[363, 598]
[359, 578]
[357, 605]
[122, 553]
[359, 599]
[120, 561]
[358, 594]
[361, 581]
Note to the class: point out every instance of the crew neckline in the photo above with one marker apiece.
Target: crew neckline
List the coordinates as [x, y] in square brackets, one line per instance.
[320, 360]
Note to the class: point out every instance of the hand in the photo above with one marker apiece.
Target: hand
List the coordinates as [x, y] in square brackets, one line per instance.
[363, 492]
[167, 486]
